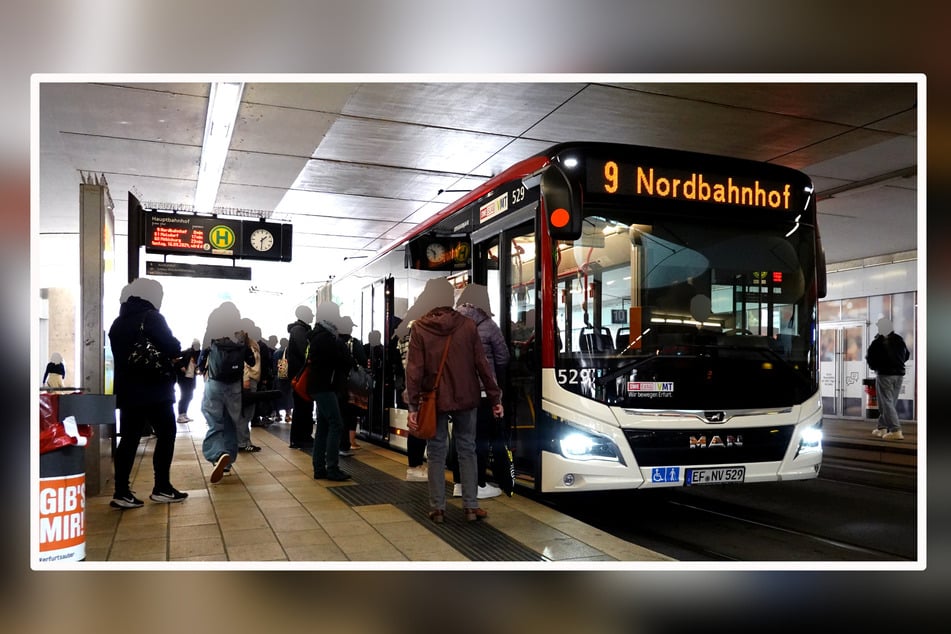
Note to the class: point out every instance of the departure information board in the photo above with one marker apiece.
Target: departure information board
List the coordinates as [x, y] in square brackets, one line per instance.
[190, 234]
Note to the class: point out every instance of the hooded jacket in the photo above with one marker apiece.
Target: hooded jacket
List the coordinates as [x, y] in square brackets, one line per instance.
[496, 350]
[466, 363]
[887, 354]
[131, 389]
[298, 334]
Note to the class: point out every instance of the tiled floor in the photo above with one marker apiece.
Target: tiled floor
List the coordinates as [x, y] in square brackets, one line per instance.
[270, 509]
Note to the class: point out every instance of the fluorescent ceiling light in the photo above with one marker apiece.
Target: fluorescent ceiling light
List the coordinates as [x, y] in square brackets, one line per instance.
[223, 102]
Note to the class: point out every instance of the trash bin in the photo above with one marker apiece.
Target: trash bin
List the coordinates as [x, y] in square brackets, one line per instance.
[871, 399]
[62, 485]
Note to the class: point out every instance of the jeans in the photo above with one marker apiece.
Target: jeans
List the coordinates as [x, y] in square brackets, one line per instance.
[187, 388]
[464, 432]
[302, 421]
[326, 458]
[132, 422]
[221, 407]
[887, 388]
[415, 450]
[485, 421]
[243, 428]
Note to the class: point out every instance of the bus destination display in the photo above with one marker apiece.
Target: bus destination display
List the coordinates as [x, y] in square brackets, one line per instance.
[629, 179]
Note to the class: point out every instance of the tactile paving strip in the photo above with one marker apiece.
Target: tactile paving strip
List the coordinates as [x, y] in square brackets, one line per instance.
[478, 541]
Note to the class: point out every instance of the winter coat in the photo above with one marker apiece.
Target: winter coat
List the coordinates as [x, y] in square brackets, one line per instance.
[131, 389]
[330, 363]
[459, 386]
[887, 354]
[298, 334]
[496, 350]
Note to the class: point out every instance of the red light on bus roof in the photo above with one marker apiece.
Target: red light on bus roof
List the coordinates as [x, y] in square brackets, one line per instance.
[560, 217]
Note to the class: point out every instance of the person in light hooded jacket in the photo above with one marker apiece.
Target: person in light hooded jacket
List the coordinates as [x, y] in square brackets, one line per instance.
[474, 304]
[457, 395]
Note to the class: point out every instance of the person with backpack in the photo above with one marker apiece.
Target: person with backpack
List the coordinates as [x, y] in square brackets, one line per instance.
[228, 352]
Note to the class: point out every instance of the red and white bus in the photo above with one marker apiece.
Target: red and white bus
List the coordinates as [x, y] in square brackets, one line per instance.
[660, 306]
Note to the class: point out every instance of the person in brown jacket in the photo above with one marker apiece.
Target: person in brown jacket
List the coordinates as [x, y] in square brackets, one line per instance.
[457, 395]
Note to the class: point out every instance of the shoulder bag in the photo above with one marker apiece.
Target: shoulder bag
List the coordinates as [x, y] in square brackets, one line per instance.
[425, 427]
[282, 365]
[147, 361]
[299, 382]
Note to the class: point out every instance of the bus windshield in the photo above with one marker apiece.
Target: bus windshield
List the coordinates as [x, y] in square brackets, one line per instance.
[662, 311]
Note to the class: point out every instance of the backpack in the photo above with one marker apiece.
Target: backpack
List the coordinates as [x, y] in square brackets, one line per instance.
[226, 360]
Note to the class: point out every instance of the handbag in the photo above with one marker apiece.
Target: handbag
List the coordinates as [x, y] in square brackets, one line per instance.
[425, 427]
[146, 360]
[282, 365]
[299, 382]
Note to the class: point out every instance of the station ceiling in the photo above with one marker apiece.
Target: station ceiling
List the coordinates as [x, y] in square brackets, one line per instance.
[355, 165]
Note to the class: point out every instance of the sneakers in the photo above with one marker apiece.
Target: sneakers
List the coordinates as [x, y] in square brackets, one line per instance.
[893, 435]
[457, 490]
[220, 465]
[488, 491]
[879, 431]
[346, 453]
[417, 474]
[126, 501]
[250, 448]
[182, 419]
[171, 495]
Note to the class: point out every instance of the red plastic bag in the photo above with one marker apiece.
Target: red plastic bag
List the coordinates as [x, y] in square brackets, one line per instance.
[53, 434]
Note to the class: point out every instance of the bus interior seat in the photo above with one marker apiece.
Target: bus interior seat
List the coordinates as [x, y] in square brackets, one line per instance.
[622, 338]
[591, 341]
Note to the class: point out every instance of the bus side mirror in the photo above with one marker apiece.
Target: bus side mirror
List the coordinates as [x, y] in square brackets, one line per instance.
[562, 200]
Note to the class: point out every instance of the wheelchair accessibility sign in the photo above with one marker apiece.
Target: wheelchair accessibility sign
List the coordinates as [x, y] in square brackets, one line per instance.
[665, 475]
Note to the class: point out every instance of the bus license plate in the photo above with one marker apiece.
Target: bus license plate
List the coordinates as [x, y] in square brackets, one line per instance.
[715, 476]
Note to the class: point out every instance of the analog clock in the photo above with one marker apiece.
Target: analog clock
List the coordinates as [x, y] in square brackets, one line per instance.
[262, 239]
[436, 253]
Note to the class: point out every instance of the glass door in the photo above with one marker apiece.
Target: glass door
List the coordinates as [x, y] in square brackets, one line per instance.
[842, 367]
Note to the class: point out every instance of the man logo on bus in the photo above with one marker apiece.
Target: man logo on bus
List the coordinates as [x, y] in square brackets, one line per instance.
[715, 441]
[221, 237]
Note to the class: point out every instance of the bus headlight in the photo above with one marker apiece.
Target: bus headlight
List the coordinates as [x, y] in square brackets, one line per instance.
[810, 441]
[579, 445]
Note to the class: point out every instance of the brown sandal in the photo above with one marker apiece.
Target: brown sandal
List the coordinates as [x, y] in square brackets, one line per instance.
[438, 516]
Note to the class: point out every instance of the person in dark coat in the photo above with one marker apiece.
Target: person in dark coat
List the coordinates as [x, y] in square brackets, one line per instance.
[886, 356]
[302, 416]
[144, 401]
[55, 371]
[186, 369]
[328, 379]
